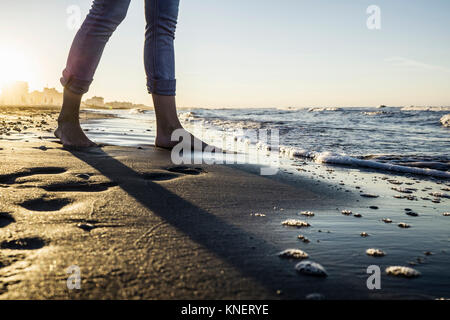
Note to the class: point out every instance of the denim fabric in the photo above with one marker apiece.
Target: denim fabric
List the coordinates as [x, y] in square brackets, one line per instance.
[99, 25]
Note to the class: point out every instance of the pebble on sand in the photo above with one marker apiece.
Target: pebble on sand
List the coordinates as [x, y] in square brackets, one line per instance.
[293, 254]
[311, 268]
[375, 252]
[357, 215]
[347, 212]
[404, 225]
[400, 271]
[364, 234]
[446, 214]
[295, 223]
[386, 220]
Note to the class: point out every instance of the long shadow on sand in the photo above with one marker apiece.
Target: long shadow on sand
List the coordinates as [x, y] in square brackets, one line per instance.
[230, 243]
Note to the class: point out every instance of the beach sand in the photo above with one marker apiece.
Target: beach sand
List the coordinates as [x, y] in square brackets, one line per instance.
[159, 231]
[139, 227]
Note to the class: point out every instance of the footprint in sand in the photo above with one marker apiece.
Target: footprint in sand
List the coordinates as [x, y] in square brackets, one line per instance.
[6, 219]
[82, 186]
[45, 204]
[32, 243]
[11, 178]
[186, 170]
[159, 176]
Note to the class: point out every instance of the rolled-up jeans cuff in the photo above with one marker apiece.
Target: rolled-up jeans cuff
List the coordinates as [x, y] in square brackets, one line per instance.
[75, 85]
[162, 87]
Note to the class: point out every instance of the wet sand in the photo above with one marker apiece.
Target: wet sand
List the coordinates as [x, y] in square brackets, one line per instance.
[139, 227]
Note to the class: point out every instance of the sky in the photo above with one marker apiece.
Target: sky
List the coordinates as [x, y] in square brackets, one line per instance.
[251, 53]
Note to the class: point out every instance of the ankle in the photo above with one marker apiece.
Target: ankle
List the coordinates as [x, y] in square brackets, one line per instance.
[167, 129]
[73, 119]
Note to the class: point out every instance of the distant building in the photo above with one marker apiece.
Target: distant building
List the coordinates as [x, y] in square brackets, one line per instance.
[95, 102]
[17, 94]
[47, 97]
[120, 105]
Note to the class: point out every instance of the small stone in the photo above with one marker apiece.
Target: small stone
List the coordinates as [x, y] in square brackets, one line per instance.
[357, 215]
[347, 212]
[373, 207]
[446, 214]
[311, 268]
[293, 254]
[412, 213]
[386, 220]
[364, 234]
[428, 253]
[375, 252]
[400, 271]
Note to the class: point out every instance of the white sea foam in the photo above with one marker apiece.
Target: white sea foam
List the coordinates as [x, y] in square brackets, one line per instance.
[445, 120]
[324, 109]
[424, 108]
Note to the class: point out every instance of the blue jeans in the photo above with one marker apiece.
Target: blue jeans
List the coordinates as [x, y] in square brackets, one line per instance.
[99, 25]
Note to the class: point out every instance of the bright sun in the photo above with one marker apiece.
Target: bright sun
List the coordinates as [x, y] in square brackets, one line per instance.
[14, 66]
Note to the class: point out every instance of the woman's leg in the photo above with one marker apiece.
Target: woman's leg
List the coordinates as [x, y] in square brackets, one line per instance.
[159, 58]
[84, 57]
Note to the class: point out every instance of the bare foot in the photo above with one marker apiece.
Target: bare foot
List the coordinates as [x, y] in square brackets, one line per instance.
[189, 141]
[72, 136]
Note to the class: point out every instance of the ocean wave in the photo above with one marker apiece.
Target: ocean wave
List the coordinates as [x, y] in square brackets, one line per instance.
[375, 113]
[333, 158]
[422, 108]
[324, 109]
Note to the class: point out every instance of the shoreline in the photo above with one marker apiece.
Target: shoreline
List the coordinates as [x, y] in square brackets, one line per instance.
[139, 227]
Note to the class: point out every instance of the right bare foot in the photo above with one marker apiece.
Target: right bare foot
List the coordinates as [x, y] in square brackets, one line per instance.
[72, 136]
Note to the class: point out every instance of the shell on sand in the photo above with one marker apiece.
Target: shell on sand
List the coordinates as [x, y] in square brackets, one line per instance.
[375, 252]
[295, 223]
[293, 254]
[402, 271]
[311, 268]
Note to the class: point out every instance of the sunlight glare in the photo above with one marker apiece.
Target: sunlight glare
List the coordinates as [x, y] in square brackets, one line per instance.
[14, 66]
